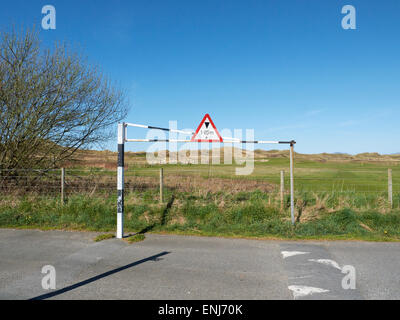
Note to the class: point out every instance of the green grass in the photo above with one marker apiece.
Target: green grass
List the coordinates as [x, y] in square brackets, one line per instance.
[362, 180]
[104, 236]
[309, 175]
[136, 238]
[247, 214]
[337, 200]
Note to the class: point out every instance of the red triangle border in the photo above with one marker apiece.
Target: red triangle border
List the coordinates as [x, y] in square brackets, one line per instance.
[198, 129]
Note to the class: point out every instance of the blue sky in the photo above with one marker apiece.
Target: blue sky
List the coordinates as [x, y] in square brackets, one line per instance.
[286, 69]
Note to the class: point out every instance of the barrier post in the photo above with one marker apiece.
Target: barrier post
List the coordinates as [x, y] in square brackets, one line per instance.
[291, 181]
[120, 181]
[390, 188]
[282, 187]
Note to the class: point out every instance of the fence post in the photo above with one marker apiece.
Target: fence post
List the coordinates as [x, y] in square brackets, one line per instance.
[282, 187]
[390, 188]
[161, 185]
[291, 182]
[62, 185]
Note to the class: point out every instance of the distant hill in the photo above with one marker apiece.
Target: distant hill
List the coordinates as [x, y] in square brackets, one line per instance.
[108, 159]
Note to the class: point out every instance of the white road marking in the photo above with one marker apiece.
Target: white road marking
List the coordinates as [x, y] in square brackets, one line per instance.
[327, 262]
[302, 291]
[287, 254]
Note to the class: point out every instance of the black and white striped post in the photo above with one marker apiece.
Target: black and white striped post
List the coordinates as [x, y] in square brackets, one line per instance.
[120, 180]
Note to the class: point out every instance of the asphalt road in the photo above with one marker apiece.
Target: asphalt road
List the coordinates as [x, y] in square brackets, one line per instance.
[181, 267]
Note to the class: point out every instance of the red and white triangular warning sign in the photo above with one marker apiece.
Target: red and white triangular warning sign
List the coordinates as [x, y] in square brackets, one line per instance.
[206, 131]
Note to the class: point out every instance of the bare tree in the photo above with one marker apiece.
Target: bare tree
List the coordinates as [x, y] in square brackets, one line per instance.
[52, 102]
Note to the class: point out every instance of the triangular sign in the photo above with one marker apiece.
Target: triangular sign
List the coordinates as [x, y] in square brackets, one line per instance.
[205, 132]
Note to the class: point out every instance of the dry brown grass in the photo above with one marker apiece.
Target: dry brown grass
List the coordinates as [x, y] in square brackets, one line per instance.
[177, 220]
[108, 159]
[197, 184]
[366, 227]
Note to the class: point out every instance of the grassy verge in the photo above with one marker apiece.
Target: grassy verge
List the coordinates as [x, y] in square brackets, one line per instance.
[136, 238]
[246, 214]
[104, 236]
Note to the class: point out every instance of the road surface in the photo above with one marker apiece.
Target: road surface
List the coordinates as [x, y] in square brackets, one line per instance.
[183, 267]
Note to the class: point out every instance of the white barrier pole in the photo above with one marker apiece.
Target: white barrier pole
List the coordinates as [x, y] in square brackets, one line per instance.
[120, 181]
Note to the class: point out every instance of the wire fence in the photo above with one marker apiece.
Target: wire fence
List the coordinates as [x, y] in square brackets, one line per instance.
[372, 186]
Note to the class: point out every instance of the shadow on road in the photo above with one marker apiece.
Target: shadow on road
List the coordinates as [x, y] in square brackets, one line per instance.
[100, 276]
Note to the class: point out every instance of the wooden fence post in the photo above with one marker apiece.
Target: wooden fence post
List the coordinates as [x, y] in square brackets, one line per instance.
[161, 185]
[390, 188]
[282, 187]
[62, 185]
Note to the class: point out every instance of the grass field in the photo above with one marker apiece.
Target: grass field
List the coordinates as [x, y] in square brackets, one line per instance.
[337, 197]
